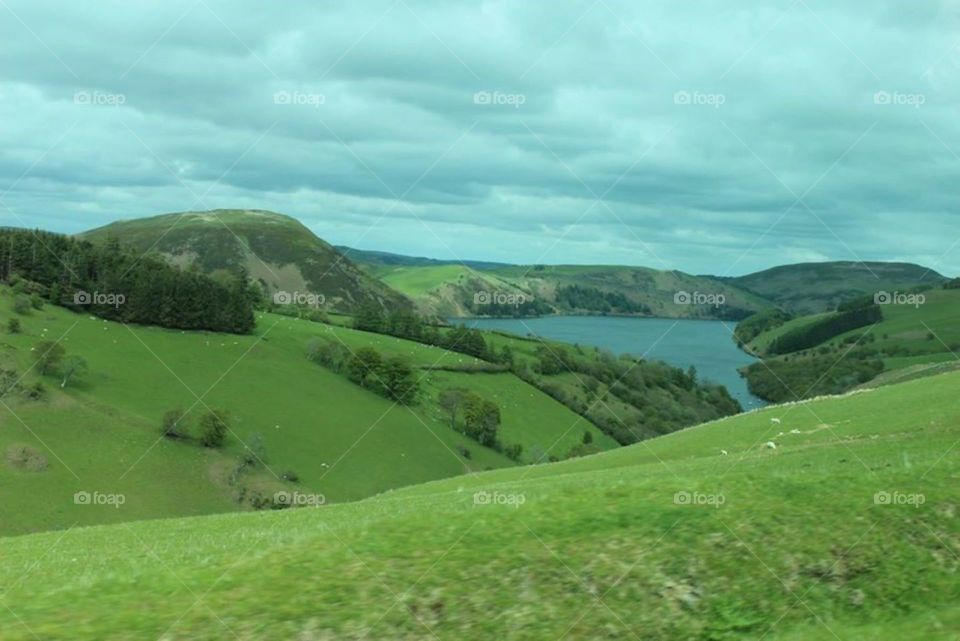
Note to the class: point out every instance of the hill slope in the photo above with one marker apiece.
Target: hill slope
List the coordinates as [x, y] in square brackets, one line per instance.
[848, 530]
[276, 251]
[808, 288]
[473, 289]
[341, 440]
[916, 331]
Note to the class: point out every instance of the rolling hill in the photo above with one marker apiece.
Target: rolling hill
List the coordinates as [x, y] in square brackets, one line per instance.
[847, 530]
[101, 434]
[808, 288]
[449, 288]
[276, 251]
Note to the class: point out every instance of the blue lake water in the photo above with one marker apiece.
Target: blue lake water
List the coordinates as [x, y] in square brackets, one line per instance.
[707, 345]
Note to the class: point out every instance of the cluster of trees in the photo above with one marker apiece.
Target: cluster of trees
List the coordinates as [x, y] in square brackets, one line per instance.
[952, 284]
[118, 283]
[850, 316]
[794, 378]
[756, 324]
[391, 376]
[480, 419]
[597, 300]
[406, 324]
[210, 430]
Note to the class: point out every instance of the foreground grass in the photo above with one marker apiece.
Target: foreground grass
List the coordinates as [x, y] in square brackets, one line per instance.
[775, 544]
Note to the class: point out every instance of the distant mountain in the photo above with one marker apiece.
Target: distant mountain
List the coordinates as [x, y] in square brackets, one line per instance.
[476, 288]
[277, 251]
[370, 257]
[809, 288]
[448, 288]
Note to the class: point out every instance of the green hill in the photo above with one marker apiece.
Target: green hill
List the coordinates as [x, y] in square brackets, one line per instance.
[917, 330]
[276, 251]
[472, 289]
[102, 432]
[847, 530]
[808, 288]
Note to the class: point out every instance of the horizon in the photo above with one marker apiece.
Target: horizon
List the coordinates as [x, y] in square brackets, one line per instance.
[569, 134]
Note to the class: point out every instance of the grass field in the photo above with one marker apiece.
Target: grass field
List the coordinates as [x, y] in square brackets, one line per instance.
[101, 434]
[849, 529]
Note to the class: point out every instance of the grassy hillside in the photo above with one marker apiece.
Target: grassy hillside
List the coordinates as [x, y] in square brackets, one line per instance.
[102, 432]
[808, 288]
[451, 290]
[848, 529]
[911, 335]
[277, 251]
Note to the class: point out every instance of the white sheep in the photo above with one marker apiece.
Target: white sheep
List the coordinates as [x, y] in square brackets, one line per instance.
[775, 421]
[723, 452]
[770, 445]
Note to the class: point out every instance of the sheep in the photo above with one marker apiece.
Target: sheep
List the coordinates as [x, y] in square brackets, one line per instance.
[770, 445]
[775, 421]
[794, 431]
[723, 452]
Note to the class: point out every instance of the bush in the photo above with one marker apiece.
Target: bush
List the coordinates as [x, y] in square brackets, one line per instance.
[172, 425]
[21, 304]
[13, 326]
[213, 428]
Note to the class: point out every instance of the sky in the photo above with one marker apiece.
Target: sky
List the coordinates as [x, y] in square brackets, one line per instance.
[710, 137]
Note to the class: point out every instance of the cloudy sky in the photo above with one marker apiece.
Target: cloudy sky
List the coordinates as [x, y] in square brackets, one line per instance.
[718, 137]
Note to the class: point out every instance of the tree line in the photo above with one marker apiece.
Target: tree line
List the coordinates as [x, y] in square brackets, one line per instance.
[852, 316]
[118, 283]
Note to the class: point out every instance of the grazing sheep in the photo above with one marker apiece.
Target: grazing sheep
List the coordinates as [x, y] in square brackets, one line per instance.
[723, 452]
[771, 445]
[775, 421]
[794, 431]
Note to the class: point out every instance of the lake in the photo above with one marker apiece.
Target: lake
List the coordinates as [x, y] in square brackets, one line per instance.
[705, 344]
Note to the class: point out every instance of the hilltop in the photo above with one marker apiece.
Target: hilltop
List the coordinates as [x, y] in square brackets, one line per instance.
[848, 529]
[274, 250]
[808, 288]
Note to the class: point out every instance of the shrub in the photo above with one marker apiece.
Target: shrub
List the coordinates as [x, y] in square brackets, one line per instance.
[213, 428]
[172, 424]
[13, 326]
